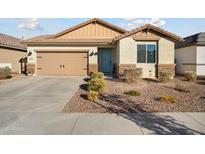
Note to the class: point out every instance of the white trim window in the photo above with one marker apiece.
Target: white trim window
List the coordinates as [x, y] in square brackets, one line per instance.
[146, 53]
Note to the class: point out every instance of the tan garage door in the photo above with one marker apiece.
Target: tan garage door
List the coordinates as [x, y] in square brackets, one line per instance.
[62, 63]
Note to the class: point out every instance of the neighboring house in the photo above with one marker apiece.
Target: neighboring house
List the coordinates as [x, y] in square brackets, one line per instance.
[11, 52]
[96, 45]
[190, 54]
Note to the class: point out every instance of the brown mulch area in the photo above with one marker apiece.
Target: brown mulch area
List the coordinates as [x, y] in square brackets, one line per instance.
[114, 99]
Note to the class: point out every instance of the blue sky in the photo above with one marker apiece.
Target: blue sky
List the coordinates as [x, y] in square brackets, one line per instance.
[27, 28]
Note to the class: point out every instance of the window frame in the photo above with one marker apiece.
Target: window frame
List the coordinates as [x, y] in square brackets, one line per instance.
[146, 44]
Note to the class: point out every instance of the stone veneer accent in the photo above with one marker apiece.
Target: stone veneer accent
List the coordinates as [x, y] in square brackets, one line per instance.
[93, 68]
[119, 68]
[166, 68]
[30, 69]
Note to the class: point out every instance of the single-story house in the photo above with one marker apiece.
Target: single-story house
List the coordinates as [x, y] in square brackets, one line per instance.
[11, 52]
[96, 45]
[190, 54]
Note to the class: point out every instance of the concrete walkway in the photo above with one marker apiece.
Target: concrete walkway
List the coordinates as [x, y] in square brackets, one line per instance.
[85, 123]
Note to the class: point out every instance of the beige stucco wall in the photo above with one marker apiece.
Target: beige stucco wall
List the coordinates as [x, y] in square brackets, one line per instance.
[165, 51]
[127, 51]
[200, 60]
[185, 55]
[12, 56]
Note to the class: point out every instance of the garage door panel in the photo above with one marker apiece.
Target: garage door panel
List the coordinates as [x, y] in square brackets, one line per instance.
[67, 63]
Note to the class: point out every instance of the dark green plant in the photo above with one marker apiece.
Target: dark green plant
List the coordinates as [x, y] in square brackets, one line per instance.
[164, 76]
[190, 75]
[180, 88]
[132, 93]
[5, 73]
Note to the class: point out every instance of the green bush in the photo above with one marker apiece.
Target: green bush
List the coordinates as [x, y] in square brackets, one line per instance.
[93, 95]
[180, 88]
[97, 75]
[132, 75]
[164, 76]
[132, 93]
[96, 84]
[190, 75]
[5, 73]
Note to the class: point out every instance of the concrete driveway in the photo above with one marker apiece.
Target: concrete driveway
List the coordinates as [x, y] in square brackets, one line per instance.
[34, 101]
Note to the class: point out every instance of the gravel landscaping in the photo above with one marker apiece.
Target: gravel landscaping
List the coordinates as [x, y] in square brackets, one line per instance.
[15, 76]
[115, 100]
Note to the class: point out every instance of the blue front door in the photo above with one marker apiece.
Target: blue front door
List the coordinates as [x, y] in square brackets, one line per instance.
[105, 60]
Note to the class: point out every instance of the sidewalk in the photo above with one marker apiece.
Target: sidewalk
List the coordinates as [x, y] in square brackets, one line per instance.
[86, 123]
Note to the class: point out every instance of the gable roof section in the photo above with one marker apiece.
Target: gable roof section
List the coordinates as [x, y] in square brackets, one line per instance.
[174, 37]
[37, 38]
[11, 42]
[123, 33]
[196, 39]
[116, 28]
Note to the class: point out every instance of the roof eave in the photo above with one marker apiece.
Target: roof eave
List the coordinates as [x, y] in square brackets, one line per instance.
[69, 43]
[174, 37]
[11, 47]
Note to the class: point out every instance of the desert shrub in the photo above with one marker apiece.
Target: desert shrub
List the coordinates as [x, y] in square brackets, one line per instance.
[97, 75]
[190, 75]
[180, 88]
[132, 93]
[93, 95]
[96, 84]
[168, 98]
[164, 76]
[132, 75]
[5, 73]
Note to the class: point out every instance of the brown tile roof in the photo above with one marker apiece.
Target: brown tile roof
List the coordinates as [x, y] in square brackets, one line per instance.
[36, 39]
[148, 26]
[11, 42]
